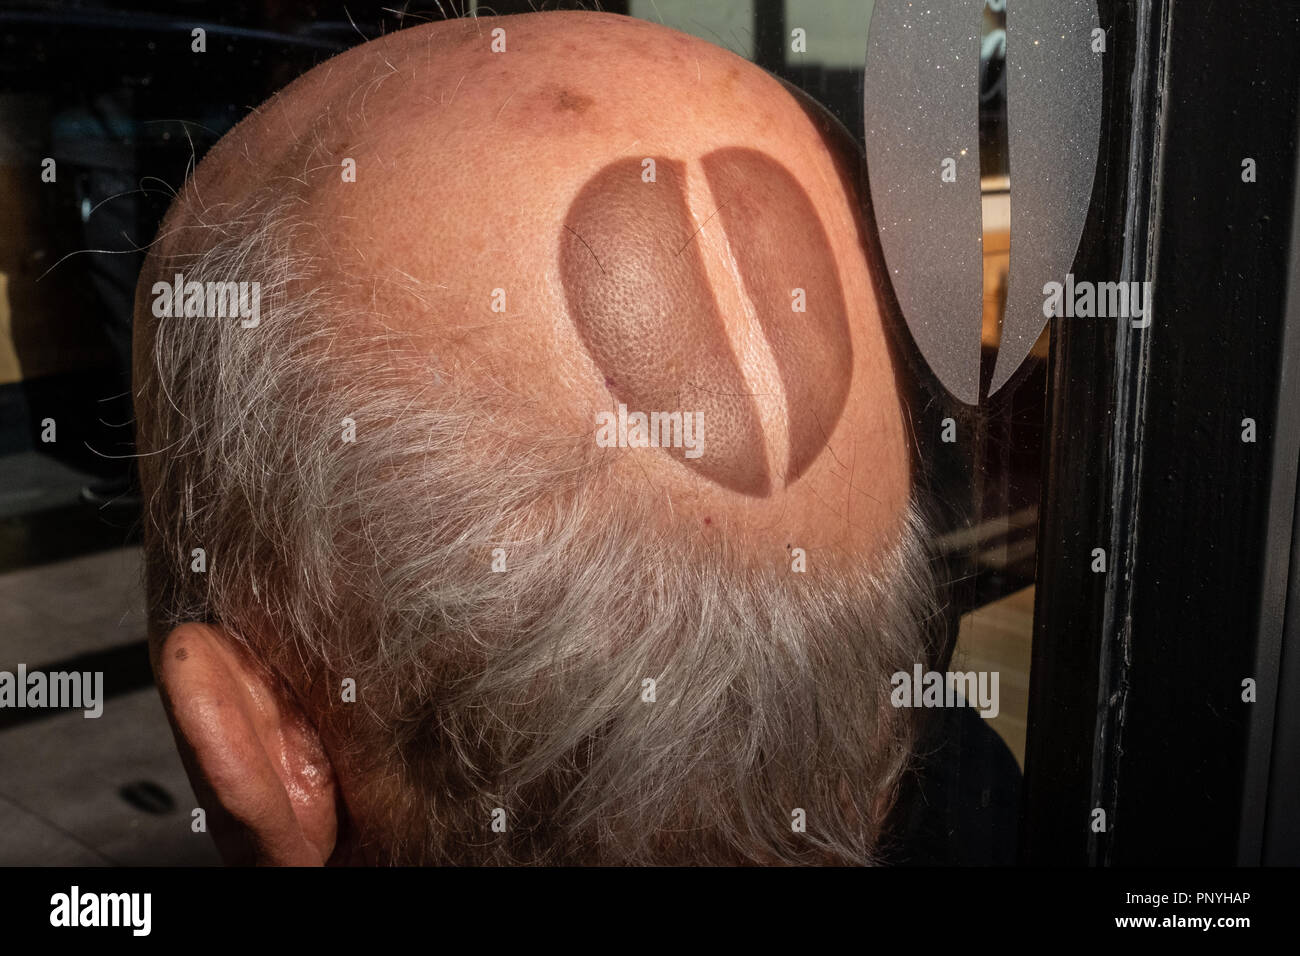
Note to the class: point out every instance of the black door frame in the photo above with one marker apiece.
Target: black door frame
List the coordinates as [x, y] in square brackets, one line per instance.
[1136, 702]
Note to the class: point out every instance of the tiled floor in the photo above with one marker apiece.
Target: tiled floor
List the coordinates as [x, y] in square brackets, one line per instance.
[30, 481]
[62, 776]
[54, 611]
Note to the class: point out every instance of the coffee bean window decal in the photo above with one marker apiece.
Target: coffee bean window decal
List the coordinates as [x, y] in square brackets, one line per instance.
[921, 121]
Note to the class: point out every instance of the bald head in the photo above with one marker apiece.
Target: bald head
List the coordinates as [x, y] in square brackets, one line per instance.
[550, 304]
[687, 239]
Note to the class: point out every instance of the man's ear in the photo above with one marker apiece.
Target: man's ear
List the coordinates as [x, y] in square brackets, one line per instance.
[254, 759]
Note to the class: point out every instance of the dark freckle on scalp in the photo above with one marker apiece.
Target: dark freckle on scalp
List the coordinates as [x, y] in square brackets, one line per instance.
[569, 102]
[182, 653]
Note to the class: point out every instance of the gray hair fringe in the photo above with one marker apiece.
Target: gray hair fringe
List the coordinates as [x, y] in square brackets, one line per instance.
[519, 691]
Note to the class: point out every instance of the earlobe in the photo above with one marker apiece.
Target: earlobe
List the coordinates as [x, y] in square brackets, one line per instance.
[254, 758]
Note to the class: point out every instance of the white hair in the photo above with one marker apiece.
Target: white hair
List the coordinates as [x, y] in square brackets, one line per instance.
[521, 691]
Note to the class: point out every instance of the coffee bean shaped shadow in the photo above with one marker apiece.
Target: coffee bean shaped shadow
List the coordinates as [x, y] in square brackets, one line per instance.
[640, 298]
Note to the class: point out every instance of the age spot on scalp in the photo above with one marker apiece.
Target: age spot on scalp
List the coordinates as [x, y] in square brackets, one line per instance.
[566, 101]
[640, 298]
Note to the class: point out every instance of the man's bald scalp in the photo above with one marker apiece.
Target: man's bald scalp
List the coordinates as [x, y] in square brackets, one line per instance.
[496, 584]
